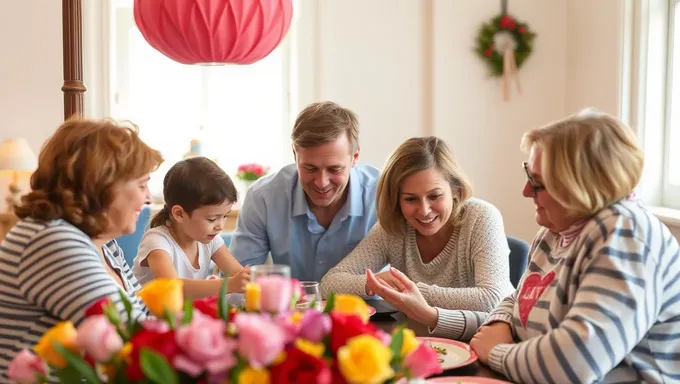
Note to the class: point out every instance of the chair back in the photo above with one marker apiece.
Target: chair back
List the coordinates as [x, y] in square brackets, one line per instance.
[519, 257]
[130, 243]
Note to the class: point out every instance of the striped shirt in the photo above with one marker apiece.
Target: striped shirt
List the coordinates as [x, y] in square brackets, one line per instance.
[52, 272]
[605, 308]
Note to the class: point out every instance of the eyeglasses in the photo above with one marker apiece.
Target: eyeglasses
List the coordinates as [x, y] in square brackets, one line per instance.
[534, 185]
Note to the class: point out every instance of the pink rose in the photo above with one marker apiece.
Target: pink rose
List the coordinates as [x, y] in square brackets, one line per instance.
[423, 362]
[25, 367]
[204, 347]
[155, 325]
[260, 340]
[314, 325]
[288, 327]
[99, 338]
[276, 293]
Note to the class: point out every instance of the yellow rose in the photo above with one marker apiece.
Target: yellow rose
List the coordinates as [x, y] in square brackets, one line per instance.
[365, 360]
[63, 334]
[252, 295]
[250, 375]
[351, 305]
[163, 294]
[310, 348]
[409, 342]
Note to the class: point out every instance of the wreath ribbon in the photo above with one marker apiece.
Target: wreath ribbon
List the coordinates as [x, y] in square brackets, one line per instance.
[510, 73]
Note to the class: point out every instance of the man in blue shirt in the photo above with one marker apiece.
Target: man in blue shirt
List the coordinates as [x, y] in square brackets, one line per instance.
[310, 214]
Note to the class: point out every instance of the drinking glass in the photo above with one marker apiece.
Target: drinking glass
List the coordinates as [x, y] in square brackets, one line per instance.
[310, 294]
[257, 271]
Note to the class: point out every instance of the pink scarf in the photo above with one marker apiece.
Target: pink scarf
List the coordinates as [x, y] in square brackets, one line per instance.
[570, 234]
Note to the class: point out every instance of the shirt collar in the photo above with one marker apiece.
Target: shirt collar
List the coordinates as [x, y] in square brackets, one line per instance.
[354, 206]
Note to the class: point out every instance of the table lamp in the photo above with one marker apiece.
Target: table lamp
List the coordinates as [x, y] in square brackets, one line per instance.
[16, 156]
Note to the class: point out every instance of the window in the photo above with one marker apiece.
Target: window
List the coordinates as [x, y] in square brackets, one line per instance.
[239, 114]
[671, 193]
[651, 95]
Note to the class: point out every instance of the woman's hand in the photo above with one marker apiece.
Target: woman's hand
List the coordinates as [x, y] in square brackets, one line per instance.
[408, 300]
[386, 278]
[488, 337]
[237, 282]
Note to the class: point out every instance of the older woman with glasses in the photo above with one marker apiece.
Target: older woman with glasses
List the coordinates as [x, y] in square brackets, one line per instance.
[600, 300]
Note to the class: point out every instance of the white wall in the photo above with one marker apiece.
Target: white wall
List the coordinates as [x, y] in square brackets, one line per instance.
[31, 101]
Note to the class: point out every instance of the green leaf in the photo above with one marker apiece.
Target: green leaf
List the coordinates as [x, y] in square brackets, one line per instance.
[222, 307]
[330, 303]
[397, 341]
[111, 314]
[127, 304]
[171, 319]
[77, 363]
[188, 312]
[157, 368]
[67, 375]
[236, 371]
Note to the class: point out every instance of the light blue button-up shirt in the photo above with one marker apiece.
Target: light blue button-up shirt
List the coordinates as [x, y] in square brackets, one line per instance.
[276, 218]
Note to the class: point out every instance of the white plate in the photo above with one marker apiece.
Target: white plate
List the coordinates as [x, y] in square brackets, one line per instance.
[464, 380]
[457, 354]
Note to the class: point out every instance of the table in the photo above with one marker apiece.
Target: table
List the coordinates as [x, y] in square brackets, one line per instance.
[387, 320]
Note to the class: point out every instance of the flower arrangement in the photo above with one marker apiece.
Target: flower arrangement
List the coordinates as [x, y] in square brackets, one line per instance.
[207, 341]
[251, 171]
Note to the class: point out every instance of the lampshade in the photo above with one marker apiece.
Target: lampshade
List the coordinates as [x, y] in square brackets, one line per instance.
[16, 155]
[214, 31]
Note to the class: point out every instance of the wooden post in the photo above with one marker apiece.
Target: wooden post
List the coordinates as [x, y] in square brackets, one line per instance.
[72, 22]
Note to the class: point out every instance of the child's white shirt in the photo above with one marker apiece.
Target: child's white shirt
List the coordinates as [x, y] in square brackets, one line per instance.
[159, 238]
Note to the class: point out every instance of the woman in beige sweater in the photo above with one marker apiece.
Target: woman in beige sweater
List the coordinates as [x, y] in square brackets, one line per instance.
[430, 228]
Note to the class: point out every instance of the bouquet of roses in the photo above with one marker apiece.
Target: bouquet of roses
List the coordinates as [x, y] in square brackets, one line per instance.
[251, 172]
[206, 341]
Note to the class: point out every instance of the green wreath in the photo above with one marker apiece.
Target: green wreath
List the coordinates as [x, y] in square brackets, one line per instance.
[521, 33]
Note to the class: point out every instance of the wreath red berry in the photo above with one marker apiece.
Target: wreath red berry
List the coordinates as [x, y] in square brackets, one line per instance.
[509, 29]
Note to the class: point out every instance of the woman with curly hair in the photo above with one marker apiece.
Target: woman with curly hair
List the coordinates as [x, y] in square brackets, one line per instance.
[61, 257]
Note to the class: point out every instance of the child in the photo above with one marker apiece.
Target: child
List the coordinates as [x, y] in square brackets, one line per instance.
[184, 237]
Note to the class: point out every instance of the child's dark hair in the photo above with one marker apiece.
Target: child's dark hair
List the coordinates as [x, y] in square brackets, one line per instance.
[193, 183]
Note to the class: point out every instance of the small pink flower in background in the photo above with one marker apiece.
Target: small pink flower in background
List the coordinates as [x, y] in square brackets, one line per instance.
[423, 362]
[98, 338]
[251, 171]
[276, 293]
[260, 340]
[298, 291]
[205, 347]
[25, 367]
[314, 326]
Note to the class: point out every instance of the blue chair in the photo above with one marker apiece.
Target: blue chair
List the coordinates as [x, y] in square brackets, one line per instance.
[226, 236]
[519, 257]
[130, 243]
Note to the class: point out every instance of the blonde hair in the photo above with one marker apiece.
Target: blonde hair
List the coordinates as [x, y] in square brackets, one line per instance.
[589, 160]
[415, 155]
[322, 123]
[79, 166]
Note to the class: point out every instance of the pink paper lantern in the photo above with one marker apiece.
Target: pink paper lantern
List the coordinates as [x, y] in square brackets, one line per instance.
[214, 31]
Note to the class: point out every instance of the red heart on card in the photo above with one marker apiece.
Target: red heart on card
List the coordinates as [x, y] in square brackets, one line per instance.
[532, 288]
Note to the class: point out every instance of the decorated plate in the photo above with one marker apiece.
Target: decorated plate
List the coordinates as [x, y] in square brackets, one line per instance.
[452, 354]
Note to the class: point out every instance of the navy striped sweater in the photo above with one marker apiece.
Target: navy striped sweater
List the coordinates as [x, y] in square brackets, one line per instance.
[605, 308]
[51, 272]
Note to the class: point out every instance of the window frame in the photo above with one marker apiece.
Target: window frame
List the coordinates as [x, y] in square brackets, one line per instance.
[670, 196]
